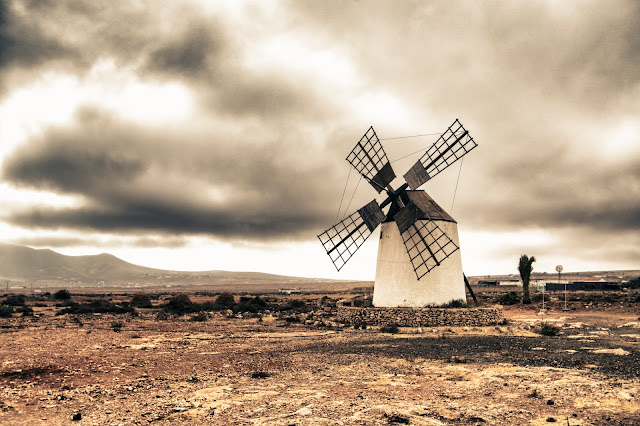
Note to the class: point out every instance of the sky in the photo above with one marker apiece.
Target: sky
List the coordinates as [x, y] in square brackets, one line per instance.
[197, 135]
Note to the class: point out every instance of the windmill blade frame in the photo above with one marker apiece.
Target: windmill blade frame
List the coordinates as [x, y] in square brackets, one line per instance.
[370, 160]
[427, 246]
[343, 239]
[451, 146]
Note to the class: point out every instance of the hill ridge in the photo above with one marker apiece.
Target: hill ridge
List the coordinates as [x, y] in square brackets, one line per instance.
[22, 263]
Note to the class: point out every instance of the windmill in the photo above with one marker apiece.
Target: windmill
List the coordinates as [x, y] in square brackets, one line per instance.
[419, 259]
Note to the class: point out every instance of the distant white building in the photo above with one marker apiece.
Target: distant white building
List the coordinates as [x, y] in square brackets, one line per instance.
[289, 291]
[510, 282]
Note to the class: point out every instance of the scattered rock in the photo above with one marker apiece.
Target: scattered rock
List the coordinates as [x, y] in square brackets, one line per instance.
[260, 375]
[396, 418]
[76, 417]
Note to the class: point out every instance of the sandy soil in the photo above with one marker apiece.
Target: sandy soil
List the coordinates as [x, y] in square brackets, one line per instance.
[246, 371]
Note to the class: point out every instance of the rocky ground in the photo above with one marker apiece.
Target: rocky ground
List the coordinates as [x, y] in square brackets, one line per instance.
[119, 369]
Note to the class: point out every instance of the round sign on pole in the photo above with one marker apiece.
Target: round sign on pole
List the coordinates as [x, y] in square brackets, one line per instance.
[559, 268]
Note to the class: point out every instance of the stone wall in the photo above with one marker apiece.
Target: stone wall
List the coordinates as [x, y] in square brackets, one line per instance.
[422, 317]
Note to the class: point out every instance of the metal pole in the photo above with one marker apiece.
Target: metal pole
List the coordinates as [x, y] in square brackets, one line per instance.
[565, 291]
[466, 282]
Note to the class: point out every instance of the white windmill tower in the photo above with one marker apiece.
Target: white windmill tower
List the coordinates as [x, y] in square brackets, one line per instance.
[419, 261]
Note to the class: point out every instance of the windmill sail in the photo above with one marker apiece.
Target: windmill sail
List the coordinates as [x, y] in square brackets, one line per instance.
[452, 145]
[370, 160]
[343, 239]
[426, 244]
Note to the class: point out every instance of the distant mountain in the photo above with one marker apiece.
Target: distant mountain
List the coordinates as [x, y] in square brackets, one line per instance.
[28, 265]
[19, 262]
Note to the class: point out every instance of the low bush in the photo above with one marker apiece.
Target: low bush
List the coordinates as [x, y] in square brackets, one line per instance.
[15, 300]
[252, 305]
[62, 295]
[389, 328]
[534, 394]
[26, 311]
[547, 329]
[260, 375]
[66, 303]
[6, 311]
[634, 283]
[162, 316]
[224, 301]
[510, 298]
[99, 306]
[117, 326]
[458, 360]
[537, 298]
[199, 317]
[141, 300]
[459, 303]
[181, 305]
[295, 305]
[362, 325]
[396, 418]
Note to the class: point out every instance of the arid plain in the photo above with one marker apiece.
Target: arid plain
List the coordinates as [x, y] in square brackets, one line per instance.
[293, 364]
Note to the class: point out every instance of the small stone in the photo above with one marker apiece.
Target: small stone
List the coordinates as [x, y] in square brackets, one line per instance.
[76, 417]
[551, 420]
[550, 402]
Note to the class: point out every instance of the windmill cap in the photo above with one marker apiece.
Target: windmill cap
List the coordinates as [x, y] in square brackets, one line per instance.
[428, 205]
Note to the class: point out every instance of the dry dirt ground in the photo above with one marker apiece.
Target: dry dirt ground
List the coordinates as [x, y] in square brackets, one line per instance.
[246, 371]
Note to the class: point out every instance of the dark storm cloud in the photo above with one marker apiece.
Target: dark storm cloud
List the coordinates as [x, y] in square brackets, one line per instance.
[24, 42]
[191, 54]
[70, 34]
[562, 192]
[61, 166]
[167, 218]
[144, 242]
[23, 45]
[136, 179]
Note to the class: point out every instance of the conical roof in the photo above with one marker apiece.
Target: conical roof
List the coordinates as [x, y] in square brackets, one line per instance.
[428, 205]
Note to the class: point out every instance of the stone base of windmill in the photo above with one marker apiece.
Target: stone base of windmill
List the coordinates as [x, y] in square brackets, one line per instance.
[422, 317]
[400, 298]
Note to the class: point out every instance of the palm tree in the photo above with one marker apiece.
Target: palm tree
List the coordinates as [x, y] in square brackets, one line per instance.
[525, 267]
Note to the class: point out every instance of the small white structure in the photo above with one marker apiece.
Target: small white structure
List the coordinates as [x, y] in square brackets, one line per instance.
[289, 291]
[396, 282]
